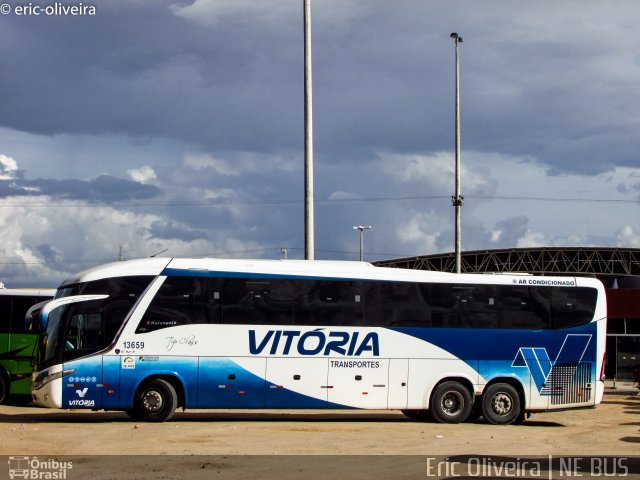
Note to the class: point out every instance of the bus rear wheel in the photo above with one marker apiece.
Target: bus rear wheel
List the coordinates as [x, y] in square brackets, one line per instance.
[501, 404]
[451, 402]
[156, 401]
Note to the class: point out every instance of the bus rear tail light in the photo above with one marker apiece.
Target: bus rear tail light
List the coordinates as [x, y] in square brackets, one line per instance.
[604, 361]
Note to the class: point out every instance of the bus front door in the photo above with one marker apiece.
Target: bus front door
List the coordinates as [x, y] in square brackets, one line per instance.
[82, 339]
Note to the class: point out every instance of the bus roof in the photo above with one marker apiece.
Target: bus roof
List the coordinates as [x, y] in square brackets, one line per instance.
[142, 266]
[305, 268]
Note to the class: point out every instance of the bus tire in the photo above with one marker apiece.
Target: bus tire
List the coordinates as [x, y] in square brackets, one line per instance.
[156, 401]
[4, 386]
[451, 402]
[501, 404]
[420, 415]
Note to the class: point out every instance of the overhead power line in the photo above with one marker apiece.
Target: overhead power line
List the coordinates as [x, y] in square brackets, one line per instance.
[326, 201]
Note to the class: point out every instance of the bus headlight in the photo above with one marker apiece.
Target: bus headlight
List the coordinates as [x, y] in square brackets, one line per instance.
[44, 378]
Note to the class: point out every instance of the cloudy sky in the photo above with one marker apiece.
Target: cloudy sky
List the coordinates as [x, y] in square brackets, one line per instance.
[178, 125]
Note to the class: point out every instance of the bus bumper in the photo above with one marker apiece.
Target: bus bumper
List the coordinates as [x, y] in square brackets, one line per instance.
[599, 391]
[46, 387]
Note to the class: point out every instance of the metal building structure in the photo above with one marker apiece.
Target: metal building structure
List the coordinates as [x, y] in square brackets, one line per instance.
[599, 262]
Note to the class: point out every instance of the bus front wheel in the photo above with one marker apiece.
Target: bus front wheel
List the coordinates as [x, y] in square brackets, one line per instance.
[156, 401]
[501, 404]
[451, 403]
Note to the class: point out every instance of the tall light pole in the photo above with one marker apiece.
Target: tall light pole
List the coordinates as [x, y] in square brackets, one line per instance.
[458, 199]
[362, 229]
[308, 138]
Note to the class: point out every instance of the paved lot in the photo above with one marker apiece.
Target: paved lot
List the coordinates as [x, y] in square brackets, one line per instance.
[612, 429]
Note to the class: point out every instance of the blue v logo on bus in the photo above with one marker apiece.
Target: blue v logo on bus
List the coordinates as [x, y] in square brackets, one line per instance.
[314, 342]
[543, 369]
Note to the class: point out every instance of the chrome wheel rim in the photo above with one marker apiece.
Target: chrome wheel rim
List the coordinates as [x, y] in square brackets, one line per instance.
[152, 401]
[502, 404]
[452, 403]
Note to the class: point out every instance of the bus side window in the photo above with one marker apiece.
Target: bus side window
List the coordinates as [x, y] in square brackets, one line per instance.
[84, 334]
[573, 306]
[464, 306]
[443, 302]
[258, 301]
[396, 305]
[5, 318]
[179, 301]
[214, 300]
[480, 307]
[241, 301]
[330, 302]
[279, 302]
[17, 309]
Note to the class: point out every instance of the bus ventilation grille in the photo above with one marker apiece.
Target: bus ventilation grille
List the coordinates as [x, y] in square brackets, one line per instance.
[569, 383]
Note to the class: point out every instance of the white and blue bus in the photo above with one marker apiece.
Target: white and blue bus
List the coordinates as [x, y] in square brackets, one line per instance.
[152, 335]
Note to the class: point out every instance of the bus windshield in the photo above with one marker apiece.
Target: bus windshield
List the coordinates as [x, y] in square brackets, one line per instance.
[52, 334]
[130, 287]
[75, 329]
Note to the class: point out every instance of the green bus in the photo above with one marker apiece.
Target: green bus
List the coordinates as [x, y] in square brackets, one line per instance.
[17, 340]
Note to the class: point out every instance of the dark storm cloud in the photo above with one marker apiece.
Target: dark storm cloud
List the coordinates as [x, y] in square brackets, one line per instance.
[140, 70]
[190, 114]
[382, 79]
[104, 188]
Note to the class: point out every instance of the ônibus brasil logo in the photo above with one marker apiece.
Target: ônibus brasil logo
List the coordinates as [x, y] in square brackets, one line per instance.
[314, 342]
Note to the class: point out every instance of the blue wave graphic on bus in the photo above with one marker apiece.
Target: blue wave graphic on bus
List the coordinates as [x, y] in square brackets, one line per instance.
[543, 369]
[314, 342]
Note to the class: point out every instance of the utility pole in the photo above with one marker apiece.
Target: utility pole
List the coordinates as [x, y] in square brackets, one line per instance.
[457, 200]
[308, 138]
[362, 229]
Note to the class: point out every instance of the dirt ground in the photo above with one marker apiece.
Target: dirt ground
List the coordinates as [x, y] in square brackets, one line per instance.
[312, 444]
